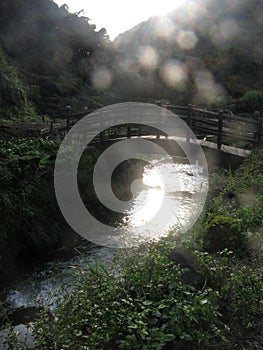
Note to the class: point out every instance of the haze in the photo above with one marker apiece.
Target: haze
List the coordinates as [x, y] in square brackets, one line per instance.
[118, 16]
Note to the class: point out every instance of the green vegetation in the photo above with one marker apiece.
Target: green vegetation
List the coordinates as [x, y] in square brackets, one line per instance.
[63, 59]
[224, 232]
[28, 207]
[13, 98]
[51, 58]
[144, 301]
[55, 52]
[146, 306]
[252, 101]
[212, 56]
[32, 223]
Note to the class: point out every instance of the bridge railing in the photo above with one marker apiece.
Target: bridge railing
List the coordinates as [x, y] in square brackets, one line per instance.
[222, 127]
[219, 127]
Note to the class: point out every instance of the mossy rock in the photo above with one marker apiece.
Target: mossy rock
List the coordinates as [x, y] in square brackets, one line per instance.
[224, 232]
[186, 259]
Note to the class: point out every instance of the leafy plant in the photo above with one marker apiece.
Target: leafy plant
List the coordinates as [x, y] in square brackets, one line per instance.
[224, 232]
[252, 101]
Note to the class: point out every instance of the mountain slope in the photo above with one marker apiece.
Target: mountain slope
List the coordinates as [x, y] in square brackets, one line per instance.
[55, 52]
[200, 53]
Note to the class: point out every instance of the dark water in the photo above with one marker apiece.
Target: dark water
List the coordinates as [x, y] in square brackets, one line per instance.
[180, 184]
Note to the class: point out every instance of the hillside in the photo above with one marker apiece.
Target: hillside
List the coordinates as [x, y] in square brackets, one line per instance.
[200, 53]
[57, 54]
[13, 98]
[204, 52]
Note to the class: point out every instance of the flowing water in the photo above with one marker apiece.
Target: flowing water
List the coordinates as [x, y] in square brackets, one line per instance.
[181, 187]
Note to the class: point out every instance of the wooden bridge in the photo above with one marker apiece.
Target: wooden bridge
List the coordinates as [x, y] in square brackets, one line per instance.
[221, 128]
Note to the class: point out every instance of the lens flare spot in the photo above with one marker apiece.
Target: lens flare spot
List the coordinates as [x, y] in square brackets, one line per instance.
[190, 12]
[187, 39]
[102, 78]
[126, 66]
[174, 74]
[224, 32]
[208, 89]
[163, 27]
[148, 57]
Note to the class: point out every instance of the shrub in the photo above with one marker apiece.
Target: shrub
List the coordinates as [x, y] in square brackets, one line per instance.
[13, 97]
[224, 232]
[241, 297]
[145, 306]
[240, 288]
[252, 101]
[28, 207]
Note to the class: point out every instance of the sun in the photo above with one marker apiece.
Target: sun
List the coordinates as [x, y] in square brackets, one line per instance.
[118, 16]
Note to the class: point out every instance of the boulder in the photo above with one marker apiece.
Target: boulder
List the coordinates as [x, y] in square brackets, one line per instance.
[186, 259]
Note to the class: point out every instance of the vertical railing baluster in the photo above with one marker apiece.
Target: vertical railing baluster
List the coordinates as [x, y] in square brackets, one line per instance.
[259, 131]
[68, 109]
[220, 130]
[189, 120]
[129, 131]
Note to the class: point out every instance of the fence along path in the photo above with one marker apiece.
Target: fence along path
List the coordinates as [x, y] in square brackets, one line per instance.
[219, 127]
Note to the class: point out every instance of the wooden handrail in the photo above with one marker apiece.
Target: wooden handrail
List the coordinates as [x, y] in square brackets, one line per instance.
[219, 124]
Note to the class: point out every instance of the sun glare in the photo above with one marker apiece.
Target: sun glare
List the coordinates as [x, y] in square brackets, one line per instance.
[161, 8]
[118, 16]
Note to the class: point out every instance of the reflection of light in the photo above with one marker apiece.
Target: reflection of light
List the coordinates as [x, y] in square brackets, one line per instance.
[150, 209]
[102, 78]
[154, 186]
[186, 39]
[148, 56]
[162, 7]
[166, 188]
[126, 65]
[225, 32]
[208, 89]
[152, 178]
[119, 16]
[164, 27]
[191, 11]
[174, 74]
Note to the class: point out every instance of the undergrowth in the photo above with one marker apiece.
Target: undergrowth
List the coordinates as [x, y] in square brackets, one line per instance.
[143, 301]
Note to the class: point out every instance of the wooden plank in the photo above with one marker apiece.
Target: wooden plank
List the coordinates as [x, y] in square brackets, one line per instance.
[206, 121]
[205, 112]
[241, 119]
[207, 130]
[241, 137]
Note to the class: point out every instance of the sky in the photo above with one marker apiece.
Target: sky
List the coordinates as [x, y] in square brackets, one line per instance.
[117, 16]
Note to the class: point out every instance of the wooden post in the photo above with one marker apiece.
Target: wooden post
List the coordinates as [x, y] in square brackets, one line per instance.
[139, 130]
[220, 130]
[259, 132]
[189, 120]
[129, 131]
[51, 126]
[68, 124]
[68, 109]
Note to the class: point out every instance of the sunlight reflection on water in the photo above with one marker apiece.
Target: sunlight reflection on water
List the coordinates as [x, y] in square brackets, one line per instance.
[180, 187]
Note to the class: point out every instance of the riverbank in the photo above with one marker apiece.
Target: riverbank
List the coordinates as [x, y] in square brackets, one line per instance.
[206, 293]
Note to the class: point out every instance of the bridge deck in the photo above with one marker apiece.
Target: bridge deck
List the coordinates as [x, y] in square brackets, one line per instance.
[225, 129]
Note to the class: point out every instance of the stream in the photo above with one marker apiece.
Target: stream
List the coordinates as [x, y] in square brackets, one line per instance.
[39, 286]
